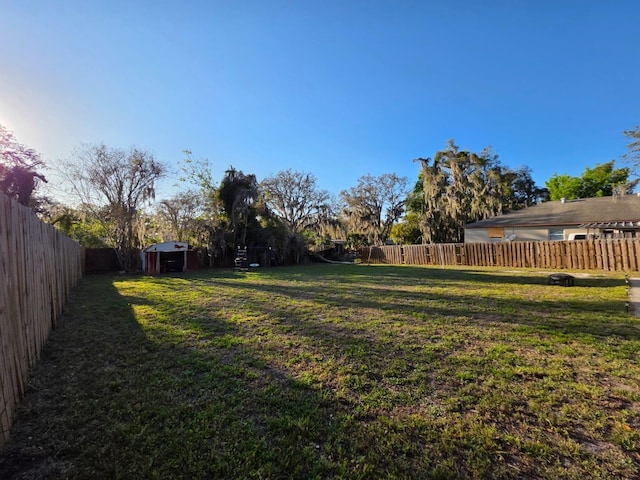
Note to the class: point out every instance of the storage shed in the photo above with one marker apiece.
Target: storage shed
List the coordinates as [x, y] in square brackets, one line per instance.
[169, 257]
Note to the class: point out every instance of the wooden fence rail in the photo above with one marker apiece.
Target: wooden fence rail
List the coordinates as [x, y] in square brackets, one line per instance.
[620, 254]
[38, 268]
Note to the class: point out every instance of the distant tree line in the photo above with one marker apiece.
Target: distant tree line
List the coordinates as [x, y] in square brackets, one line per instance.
[287, 212]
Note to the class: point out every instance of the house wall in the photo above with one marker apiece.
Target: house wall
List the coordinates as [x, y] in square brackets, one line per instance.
[569, 231]
[476, 235]
[522, 234]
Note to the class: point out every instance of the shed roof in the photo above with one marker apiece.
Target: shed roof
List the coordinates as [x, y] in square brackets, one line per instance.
[167, 247]
[601, 212]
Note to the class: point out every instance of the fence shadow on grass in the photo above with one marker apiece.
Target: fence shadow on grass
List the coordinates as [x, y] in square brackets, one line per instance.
[112, 398]
[397, 290]
[139, 383]
[380, 274]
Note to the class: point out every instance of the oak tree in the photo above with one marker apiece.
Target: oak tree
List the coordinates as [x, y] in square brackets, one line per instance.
[295, 198]
[374, 205]
[113, 185]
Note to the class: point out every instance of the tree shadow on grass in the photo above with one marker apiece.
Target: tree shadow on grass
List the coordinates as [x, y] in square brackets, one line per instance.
[112, 399]
[461, 294]
[124, 392]
[366, 358]
[182, 397]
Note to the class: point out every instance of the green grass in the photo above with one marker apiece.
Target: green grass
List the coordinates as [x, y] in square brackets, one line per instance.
[336, 371]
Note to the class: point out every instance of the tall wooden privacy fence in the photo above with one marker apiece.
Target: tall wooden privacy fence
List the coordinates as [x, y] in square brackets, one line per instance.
[38, 268]
[607, 254]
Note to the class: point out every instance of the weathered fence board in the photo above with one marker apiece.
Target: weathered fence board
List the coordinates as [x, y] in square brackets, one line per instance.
[38, 268]
[620, 254]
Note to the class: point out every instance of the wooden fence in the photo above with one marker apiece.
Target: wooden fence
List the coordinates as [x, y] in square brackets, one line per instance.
[608, 254]
[38, 268]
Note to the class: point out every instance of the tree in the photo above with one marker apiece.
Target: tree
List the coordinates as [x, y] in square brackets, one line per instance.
[408, 230]
[113, 185]
[328, 222]
[197, 172]
[238, 193]
[235, 213]
[19, 177]
[519, 190]
[374, 205]
[563, 186]
[295, 198]
[210, 228]
[85, 230]
[600, 181]
[180, 214]
[459, 187]
[633, 148]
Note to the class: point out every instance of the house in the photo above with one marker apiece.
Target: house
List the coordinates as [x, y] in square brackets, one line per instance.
[169, 257]
[601, 217]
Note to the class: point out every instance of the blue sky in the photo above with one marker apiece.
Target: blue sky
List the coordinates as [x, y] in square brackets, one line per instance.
[337, 88]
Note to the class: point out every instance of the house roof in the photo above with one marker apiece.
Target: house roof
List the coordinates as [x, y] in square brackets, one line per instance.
[601, 212]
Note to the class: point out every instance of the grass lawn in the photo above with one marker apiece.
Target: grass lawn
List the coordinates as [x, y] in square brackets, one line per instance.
[335, 371]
